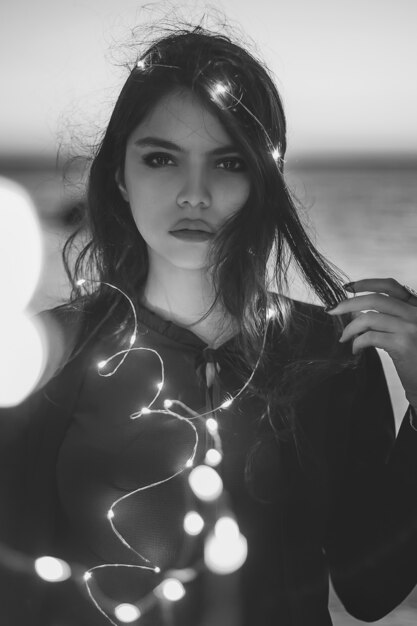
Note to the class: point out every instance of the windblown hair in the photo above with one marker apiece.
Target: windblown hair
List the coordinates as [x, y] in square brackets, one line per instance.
[266, 231]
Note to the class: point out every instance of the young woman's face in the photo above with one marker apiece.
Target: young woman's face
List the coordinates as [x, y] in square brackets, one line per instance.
[182, 173]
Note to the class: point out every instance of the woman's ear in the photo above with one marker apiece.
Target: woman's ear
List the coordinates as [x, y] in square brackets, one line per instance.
[120, 183]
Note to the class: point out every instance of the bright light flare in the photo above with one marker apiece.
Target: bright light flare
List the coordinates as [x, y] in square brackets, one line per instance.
[127, 613]
[193, 523]
[219, 88]
[226, 549]
[205, 482]
[21, 346]
[51, 569]
[20, 245]
[213, 457]
[172, 589]
[212, 425]
[23, 354]
[276, 155]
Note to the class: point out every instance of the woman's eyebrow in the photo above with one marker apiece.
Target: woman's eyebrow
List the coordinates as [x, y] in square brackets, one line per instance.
[158, 142]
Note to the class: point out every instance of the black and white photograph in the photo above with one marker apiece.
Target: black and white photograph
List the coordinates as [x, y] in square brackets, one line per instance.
[208, 329]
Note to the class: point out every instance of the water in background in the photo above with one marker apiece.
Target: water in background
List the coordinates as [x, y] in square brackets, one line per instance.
[365, 217]
[365, 221]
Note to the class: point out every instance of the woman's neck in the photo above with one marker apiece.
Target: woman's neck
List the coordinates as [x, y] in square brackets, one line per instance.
[183, 297]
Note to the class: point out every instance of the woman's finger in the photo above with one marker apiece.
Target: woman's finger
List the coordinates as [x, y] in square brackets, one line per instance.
[386, 341]
[376, 302]
[375, 321]
[389, 286]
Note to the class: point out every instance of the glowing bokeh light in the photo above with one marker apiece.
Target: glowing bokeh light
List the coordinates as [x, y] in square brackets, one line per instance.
[127, 613]
[220, 88]
[22, 347]
[211, 425]
[225, 550]
[193, 523]
[226, 528]
[20, 245]
[205, 483]
[23, 351]
[51, 569]
[213, 457]
[172, 589]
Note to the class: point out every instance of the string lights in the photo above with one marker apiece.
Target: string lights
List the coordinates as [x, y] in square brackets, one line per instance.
[225, 549]
[219, 90]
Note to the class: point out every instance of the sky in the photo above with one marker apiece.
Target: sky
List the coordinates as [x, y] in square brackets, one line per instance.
[345, 69]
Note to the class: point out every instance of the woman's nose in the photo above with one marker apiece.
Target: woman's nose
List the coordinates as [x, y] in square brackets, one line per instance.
[195, 190]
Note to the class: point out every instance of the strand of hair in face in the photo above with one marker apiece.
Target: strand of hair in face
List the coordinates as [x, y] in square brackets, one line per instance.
[219, 89]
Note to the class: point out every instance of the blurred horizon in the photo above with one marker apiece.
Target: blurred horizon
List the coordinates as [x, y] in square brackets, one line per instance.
[10, 161]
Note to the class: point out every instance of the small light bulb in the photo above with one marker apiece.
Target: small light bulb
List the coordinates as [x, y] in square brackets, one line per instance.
[127, 613]
[193, 523]
[189, 463]
[145, 410]
[80, 282]
[110, 514]
[160, 385]
[172, 589]
[220, 88]
[87, 576]
[226, 403]
[205, 482]
[156, 569]
[270, 313]
[212, 425]
[101, 364]
[276, 154]
[167, 404]
[132, 340]
[51, 569]
[213, 457]
[140, 65]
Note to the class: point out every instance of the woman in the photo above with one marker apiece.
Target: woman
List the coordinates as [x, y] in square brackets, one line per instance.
[186, 205]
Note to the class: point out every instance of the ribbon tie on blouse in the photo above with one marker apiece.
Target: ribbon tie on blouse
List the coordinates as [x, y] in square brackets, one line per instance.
[207, 365]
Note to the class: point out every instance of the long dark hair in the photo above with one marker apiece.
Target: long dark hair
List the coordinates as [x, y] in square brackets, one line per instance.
[266, 230]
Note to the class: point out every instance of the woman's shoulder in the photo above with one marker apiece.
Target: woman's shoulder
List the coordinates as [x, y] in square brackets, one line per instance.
[60, 328]
[309, 326]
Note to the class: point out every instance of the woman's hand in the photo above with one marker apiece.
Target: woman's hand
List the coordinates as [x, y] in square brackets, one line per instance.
[384, 319]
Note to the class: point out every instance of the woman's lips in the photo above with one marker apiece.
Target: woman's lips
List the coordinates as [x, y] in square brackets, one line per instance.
[192, 235]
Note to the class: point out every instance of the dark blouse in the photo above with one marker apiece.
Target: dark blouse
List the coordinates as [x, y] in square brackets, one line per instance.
[336, 498]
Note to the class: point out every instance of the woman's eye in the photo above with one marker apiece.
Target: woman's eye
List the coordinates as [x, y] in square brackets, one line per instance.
[232, 165]
[157, 160]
